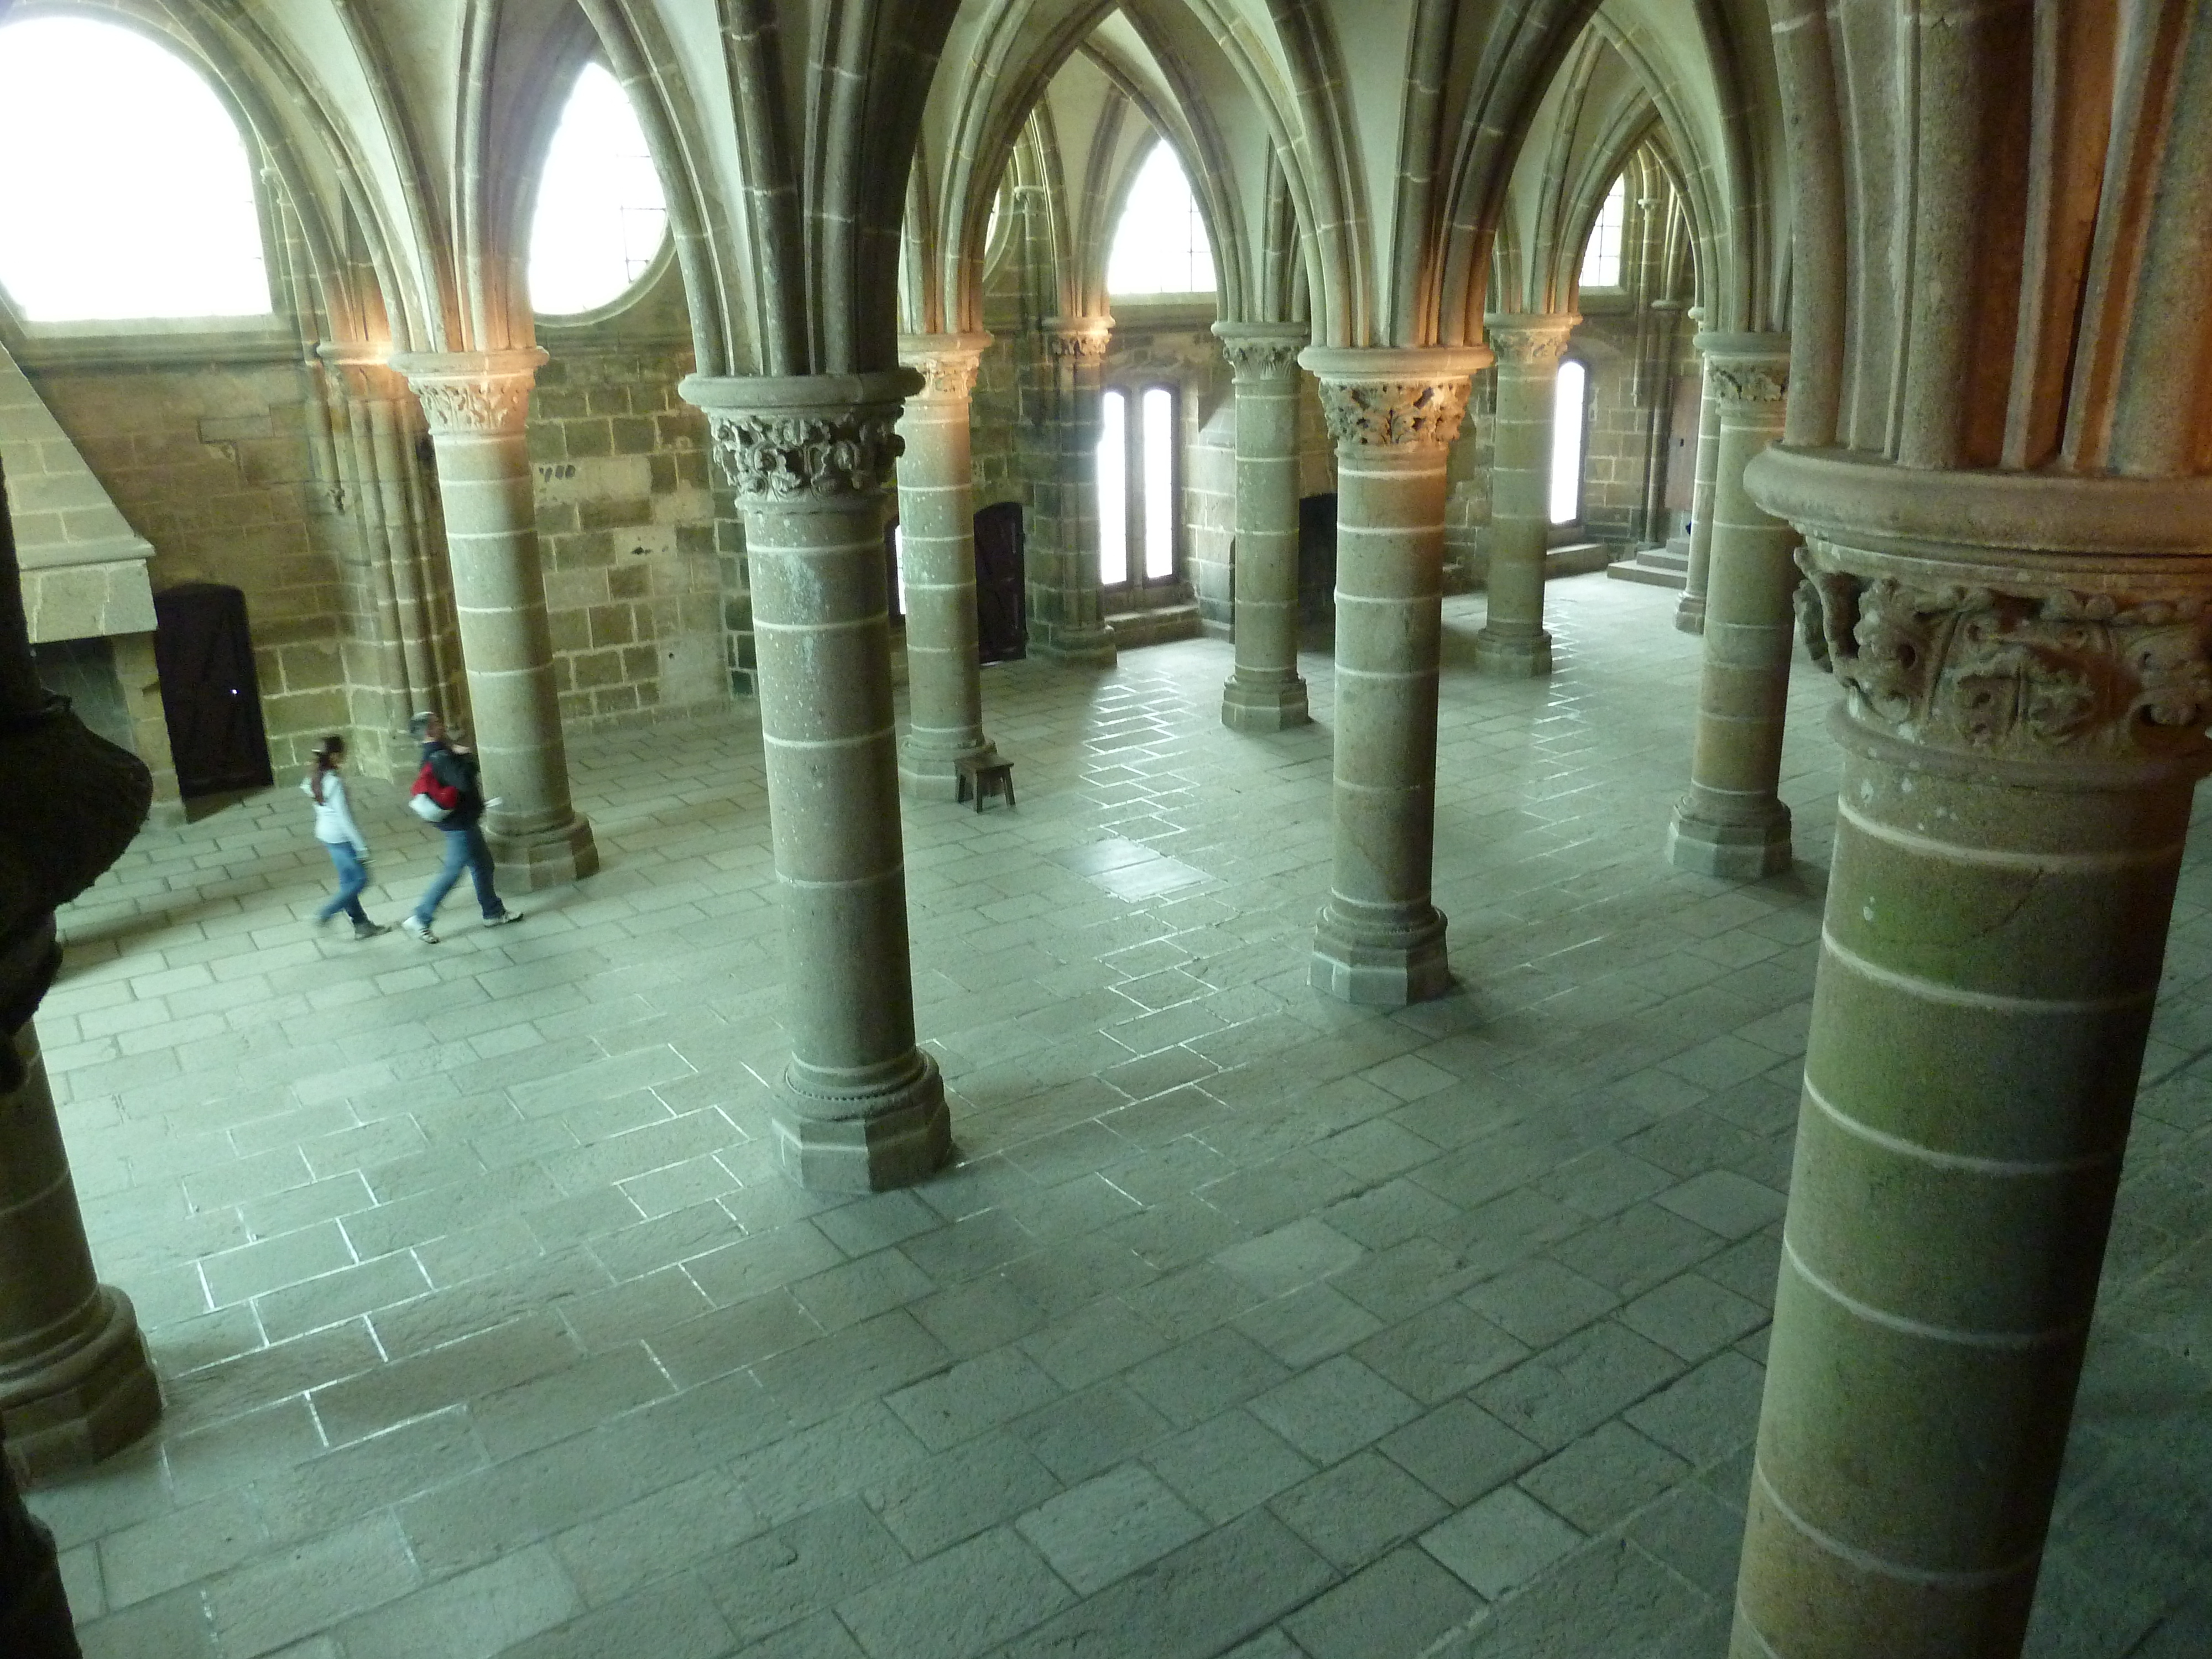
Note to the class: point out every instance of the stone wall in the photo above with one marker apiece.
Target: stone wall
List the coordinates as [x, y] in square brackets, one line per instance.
[211, 462]
[626, 530]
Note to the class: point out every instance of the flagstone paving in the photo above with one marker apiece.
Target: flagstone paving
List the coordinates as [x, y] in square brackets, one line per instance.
[1246, 1321]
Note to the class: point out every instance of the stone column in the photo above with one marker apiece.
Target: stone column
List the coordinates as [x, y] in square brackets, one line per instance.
[937, 520]
[476, 402]
[1068, 612]
[1393, 413]
[2028, 682]
[75, 1380]
[1690, 609]
[74, 1383]
[1513, 640]
[1732, 822]
[860, 1107]
[1265, 693]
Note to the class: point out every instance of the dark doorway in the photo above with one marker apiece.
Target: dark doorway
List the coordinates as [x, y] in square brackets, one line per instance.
[208, 693]
[1002, 633]
[1317, 559]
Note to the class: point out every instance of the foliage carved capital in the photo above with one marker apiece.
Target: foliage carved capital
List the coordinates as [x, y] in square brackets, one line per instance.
[1379, 413]
[775, 456]
[1531, 344]
[2032, 670]
[1260, 357]
[472, 394]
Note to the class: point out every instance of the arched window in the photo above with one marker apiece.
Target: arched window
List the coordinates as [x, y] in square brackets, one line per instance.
[601, 217]
[1569, 408]
[1136, 478]
[1601, 254]
[1160, 246]
[126, 190]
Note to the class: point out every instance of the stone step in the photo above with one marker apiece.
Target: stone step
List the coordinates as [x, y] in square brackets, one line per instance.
[1574, 559]
[1658, 567]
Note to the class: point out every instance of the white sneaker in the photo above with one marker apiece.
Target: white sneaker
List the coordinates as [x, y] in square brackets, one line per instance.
[414, 930]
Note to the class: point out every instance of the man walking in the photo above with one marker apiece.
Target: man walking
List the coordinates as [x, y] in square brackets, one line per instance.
[452, 767]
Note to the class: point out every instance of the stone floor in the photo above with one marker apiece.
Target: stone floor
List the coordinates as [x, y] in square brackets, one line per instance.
[1248, 1323]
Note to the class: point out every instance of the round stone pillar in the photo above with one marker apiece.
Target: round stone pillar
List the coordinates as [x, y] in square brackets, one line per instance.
[75, 1380]
[1690, 609]
[475, 403]
[2027, 680]
[860, 1107]
[1265, 693]
[937, 524]
[1731, 823]
[1393, 413]
[1066, 605]
[1513, 640]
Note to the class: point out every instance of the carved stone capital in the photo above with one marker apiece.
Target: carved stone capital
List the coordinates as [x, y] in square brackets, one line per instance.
[817, 440]
[2032, 669]
[1394, 412]
[1531, 343]
[1261, 352]
[472, 394]
[1078, 337]
[946, 362]
[362, 370]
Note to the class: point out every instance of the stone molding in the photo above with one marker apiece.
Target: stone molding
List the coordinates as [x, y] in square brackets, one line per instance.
[2029, 669]
[472, 394]
[948, 363]
[1260, 353]
[1531, 341]
[820, 439]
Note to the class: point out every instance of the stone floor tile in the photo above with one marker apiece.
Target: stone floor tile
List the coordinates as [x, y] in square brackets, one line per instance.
[972, 1397]
[475, 1616]
[1459, 1451]
[674, 1618]
[1499, 1542]
[1443, 1351]
[804, 1567]
[1354, 1512]
[1608, 1597]
[1709, 1413]
[1395, 1609]
[197, 1542]
[1692, 1316]
[1608, 1474]
[310, 1587]
[1109, 1525]
[1227, 1465]
[1335, 1409]
[1223, 1586]
[1725, 1202]
[933, 1502]
[608, 1558]
[958, 1604]
[1207, 1375]
[1541, 1302]
[1696, 1535]
[1568, 1390]
[1084, 1433]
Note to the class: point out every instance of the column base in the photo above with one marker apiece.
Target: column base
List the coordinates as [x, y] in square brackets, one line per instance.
[70, 1410]
[1690, 613]
[1376, 964]
[1736, 849]
[1249, 707]
[1513, 655]
[935, 774]
[867, 1144]
[1080, 648]
[545, 858]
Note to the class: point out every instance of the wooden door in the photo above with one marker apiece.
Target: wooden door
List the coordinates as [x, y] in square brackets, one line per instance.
[209, 696]
[1002, 632]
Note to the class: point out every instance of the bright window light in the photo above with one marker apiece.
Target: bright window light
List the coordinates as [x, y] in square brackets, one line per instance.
[1113, 490]
[1160, 245]
[1567, 442]
[127, 192]
[1601, 254]
[601, 217]
[1159, 483]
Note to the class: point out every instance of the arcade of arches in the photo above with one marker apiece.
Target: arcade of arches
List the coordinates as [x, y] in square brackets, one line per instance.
[1583, 1039]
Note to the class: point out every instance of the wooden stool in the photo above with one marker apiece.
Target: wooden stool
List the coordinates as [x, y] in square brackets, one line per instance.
[979, 776]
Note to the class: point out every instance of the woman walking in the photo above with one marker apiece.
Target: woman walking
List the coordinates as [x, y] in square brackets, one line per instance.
[336, 829]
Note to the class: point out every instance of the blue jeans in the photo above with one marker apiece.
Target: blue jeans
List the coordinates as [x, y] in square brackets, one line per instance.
[353, 876]
[464, 848]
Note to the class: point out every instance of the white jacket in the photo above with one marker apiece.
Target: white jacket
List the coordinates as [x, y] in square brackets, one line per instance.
[333, 819]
